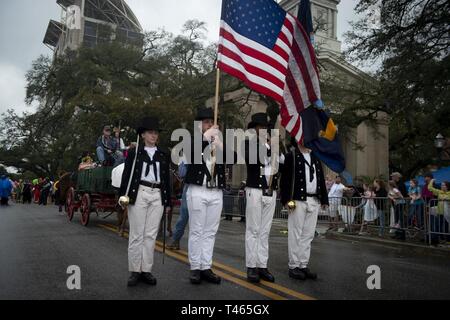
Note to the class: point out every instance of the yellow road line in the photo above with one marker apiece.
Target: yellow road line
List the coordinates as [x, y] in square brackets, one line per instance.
[226, 276]
[182, 255]
[280, 288]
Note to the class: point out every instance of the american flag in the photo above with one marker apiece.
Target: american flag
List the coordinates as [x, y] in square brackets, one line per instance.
[268, 49]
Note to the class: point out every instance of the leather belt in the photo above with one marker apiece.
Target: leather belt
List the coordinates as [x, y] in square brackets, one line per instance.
[309, 195]
[150, 185]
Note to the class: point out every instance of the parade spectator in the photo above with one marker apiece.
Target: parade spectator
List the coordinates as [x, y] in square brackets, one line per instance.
[87, 162]
[427, 195]
[130, 147]
[36, 190]
[335, 198]
[438, 223]
[45, 191]
[183, 219]
[16, 191]
[398, 201]
[329, 182]
[381, 195]
[370, 209]
[6, 188]
[416, 205]
[108, 152]
[398, 179]
[20, 191]
[119, 141]
[26, 192]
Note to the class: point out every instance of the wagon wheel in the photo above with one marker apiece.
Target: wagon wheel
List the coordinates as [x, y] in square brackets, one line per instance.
[85, 209]
[70, 203]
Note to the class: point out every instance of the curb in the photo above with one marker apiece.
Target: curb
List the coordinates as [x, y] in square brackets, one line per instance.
[400, 245]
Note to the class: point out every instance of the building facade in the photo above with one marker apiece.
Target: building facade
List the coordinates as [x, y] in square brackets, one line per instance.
[366, 148]
[92, 22]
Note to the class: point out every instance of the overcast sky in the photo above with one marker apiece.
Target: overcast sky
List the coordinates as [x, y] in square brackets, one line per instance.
[23, 24]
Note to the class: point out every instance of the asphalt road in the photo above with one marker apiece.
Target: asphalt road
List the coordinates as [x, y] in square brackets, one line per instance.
[38, 244]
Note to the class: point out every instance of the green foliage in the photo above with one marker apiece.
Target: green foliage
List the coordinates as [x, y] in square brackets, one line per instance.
[113, 83]
[412, 47]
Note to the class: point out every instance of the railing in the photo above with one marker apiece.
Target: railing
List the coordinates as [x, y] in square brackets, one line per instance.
[403, 219]
[438, 221]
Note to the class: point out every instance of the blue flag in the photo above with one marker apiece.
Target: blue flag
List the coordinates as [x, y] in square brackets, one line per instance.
[322, 138]
[305, 17]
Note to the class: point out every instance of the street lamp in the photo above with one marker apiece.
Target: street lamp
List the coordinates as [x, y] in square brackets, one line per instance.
[439, 143]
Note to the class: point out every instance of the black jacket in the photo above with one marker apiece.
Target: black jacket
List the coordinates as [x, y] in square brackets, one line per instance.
[196, 172]
[300, 179]
[163, 157]
[255, 172]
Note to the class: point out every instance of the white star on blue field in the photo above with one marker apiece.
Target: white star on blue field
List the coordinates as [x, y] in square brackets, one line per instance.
[258, 20]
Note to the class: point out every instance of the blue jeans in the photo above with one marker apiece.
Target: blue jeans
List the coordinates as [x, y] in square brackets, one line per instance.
[184, 217]
[382, 221]
[117, 157]
[416, 210]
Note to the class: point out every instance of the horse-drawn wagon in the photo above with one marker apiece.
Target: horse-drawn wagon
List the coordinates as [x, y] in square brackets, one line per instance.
[92, 192]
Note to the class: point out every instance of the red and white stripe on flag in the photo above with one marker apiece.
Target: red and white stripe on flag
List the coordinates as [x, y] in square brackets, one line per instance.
[287, 73]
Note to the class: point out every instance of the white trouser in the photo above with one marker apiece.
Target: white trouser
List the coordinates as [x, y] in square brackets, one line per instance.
[302, 227]
[144, 217]
[205, 209]
[259, 216]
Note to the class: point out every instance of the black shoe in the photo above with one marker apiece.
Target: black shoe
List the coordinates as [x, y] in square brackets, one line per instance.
[134, 279]
[253, 275]
[266, 275]
[148, 278]
[297, 274]
[210, 276]
[195, 277]
[309, 274]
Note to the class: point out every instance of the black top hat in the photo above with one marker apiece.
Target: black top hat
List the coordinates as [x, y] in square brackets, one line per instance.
[149, 123]
[259, 119]
[204, 114]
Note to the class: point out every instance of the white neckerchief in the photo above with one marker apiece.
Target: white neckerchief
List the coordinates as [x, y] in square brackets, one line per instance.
[311, 187]
[151, 176]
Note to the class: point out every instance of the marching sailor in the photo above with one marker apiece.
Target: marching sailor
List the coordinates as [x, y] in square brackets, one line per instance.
[205, 200]
[261, 195]
[303, 191]
[146, 186]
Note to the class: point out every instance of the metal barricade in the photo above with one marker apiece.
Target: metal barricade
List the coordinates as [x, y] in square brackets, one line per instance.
[438, 221]
[382, 217]
[235, 206]
[402, 219]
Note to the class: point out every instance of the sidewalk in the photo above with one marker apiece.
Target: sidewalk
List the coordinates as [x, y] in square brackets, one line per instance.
[322, 231]
[422, 248]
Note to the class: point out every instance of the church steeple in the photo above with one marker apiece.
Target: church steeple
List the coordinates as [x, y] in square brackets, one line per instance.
[325, 17]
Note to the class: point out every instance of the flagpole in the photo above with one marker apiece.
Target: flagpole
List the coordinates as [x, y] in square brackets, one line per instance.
[216, 120]
[216, 102]
[273, 158]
